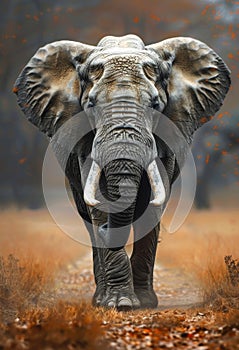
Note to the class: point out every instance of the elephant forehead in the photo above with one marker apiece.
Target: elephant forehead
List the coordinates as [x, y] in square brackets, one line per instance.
[123, 60]
[124, 63]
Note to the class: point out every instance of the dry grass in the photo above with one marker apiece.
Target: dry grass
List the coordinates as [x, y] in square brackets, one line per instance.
[62, 326]
[200, 248]
[34, 233]
[32, 251]
[22, 285]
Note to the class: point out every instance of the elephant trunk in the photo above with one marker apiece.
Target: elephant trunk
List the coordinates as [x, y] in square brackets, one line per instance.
[122, 148]
[123, 179]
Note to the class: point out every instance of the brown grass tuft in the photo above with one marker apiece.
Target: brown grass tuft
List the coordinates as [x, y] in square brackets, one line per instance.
[62, 326]
[219, 291]
[22, 284]
[233, 269]
[32, 251]
[200, 248]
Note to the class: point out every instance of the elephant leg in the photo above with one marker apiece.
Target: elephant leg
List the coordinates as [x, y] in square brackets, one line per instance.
[98, 275]
[115, 283]
[98, 261]
[113, 275]
[143, 256]
[142, 262]
[87, 217]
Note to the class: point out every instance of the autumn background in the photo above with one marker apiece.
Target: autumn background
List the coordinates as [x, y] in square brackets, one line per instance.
[27, 25]
[41, 277]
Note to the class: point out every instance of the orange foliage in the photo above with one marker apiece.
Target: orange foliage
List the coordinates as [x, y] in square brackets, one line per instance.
[156, 18]
[22, 161]
[15, 89]
[36, 18]
[205, 10]
[203, 120]
[55, 19]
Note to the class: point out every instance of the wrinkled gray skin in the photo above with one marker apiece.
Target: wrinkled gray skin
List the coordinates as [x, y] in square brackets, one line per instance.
[181, 77]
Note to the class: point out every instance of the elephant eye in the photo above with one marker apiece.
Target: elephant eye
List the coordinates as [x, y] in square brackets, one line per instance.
[95, 72]
[150, 72]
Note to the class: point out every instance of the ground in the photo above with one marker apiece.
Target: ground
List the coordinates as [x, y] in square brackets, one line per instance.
[45, 295]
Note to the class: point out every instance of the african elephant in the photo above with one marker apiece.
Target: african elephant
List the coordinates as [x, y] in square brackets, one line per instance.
[115, 82]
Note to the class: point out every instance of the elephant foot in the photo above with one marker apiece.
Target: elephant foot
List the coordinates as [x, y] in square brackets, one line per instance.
[118, 298]
[114, 281]
[98, 296]
[146, 296]
[121, 299]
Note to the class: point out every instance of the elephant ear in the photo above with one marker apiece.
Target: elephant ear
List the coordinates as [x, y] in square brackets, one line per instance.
[48, 88]
[197, 84]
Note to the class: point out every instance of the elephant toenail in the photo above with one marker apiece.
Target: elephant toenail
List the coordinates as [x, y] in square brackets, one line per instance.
[111, 304]
[124, 302]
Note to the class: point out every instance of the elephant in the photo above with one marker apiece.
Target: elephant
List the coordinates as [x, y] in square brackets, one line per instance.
[121, 161]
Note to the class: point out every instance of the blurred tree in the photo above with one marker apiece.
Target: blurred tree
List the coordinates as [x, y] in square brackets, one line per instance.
[28, 24]
[20, 182]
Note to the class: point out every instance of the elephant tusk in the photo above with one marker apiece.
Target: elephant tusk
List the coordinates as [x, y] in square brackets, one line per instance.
[91, 185]
[156, 183]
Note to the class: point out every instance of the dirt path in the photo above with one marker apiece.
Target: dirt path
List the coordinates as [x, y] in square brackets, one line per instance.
[179, 322]
[174, 288]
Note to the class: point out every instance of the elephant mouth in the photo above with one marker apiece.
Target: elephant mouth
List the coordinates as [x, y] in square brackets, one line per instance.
[154, 177]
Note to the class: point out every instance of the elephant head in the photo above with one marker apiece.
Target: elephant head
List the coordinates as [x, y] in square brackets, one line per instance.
[119, 79]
